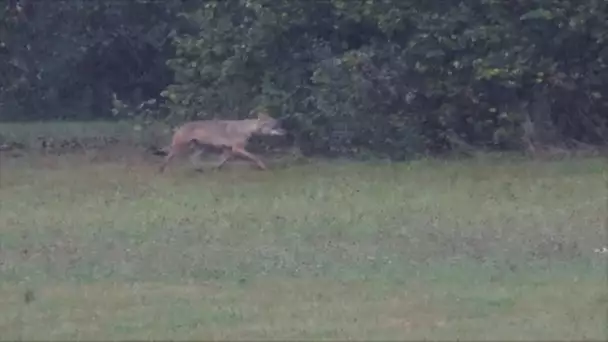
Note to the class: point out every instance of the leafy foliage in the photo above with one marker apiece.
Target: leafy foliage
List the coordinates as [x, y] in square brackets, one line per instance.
[390, 77]
[398, 77]
[64, 59]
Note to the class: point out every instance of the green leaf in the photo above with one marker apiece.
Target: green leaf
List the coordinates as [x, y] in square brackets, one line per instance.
[540, 13]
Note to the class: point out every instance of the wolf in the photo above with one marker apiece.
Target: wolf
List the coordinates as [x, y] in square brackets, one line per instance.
[229, 136]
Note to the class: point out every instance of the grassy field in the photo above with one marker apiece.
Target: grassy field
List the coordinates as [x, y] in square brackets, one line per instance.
[102, 247]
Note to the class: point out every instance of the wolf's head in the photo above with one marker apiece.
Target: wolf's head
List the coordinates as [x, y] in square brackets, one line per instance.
[268, 126]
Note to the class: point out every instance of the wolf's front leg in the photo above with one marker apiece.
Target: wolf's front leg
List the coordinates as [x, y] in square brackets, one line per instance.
[226, 154]
[244, 153]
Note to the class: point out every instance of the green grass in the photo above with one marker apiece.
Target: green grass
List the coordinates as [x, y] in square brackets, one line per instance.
[499, 249]
[88, 133]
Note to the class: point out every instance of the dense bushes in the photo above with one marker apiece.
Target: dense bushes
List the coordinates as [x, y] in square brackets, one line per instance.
[64, 59]
[398, 77]
[390, 77]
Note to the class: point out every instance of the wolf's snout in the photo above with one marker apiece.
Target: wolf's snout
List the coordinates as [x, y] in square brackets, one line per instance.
[278, 131]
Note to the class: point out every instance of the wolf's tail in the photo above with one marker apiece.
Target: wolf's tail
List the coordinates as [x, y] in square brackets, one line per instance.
[159, 151]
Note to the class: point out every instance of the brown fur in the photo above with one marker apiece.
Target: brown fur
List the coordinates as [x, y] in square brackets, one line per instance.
[230, 136]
